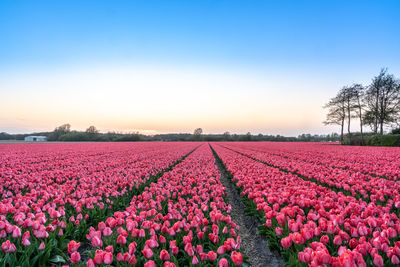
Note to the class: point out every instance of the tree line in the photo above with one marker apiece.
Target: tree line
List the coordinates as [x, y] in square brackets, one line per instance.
[376, 106]
[91, 134]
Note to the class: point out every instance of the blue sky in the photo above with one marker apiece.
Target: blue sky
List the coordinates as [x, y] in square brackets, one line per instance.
[303, 48]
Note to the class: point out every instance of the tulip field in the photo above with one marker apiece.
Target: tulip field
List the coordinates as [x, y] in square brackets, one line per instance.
[165, 203]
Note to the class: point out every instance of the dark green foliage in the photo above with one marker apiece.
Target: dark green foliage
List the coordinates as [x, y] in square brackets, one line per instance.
[396, 131]
[6, 136]
[74, 136]
[370, 139]
[390, 140]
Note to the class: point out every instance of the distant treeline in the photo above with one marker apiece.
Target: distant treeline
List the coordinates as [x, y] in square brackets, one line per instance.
[372, 139]
[64, 133]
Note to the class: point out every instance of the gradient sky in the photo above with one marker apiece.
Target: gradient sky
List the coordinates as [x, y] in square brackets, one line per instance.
[172, 66]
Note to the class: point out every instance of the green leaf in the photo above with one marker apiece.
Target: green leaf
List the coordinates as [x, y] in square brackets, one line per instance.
[57, 259]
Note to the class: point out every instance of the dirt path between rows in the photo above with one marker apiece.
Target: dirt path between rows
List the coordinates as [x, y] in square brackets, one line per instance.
[253, 245]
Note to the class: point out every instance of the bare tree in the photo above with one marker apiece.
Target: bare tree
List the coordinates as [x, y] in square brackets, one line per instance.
[389, 102]
[65, 128]
[198, 131]
[59, 131]
[92, 130]
[336, 112]
[197, 134]
[348, 96]
[358, 92]
[382, 101]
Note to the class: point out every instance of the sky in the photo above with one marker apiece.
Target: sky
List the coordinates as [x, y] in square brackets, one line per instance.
[172, 66]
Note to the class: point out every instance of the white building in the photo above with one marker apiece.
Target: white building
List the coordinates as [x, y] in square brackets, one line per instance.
[34, 138]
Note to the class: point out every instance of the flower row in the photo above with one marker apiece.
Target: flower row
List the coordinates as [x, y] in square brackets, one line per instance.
[54, 192]
[311, 223]
[180, 220]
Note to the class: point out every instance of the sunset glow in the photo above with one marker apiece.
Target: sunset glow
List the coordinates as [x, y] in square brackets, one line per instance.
[126, 71]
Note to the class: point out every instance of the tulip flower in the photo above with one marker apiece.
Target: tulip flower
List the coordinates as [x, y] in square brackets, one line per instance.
[378, 260]
[237, 258]
[223, 263]
[73, 246]
[286, 242]
[97, 242]
[90, 263]
[164, 255]
[75, 257]
[195, 261]
[147, 253]
[98, 257]
[149, 264]
[132, 260]
[121, 240]
[41, 246]
[108, 257]
[212, 256]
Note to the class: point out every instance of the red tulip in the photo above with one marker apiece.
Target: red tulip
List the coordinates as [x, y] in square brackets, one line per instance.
[110, 249]
[237, 258]
[175, 250]
[98, 257]
[286, 242]
[212, 256]
[121, 240]
[162, 239]
[132, 260]
[73, 246]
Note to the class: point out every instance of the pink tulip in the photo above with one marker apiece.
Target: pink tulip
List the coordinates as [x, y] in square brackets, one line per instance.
[132, 260]
[147, 253]
[90, 263]
[337, 240]
[107, 258]
[212, 256]
[378, 260]
[195, 261]
[121, 240]
[97, 242]
[73, 246]
[75, 257]
[149, 264]
[41, 246]
[164, 255]
[223, 263]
